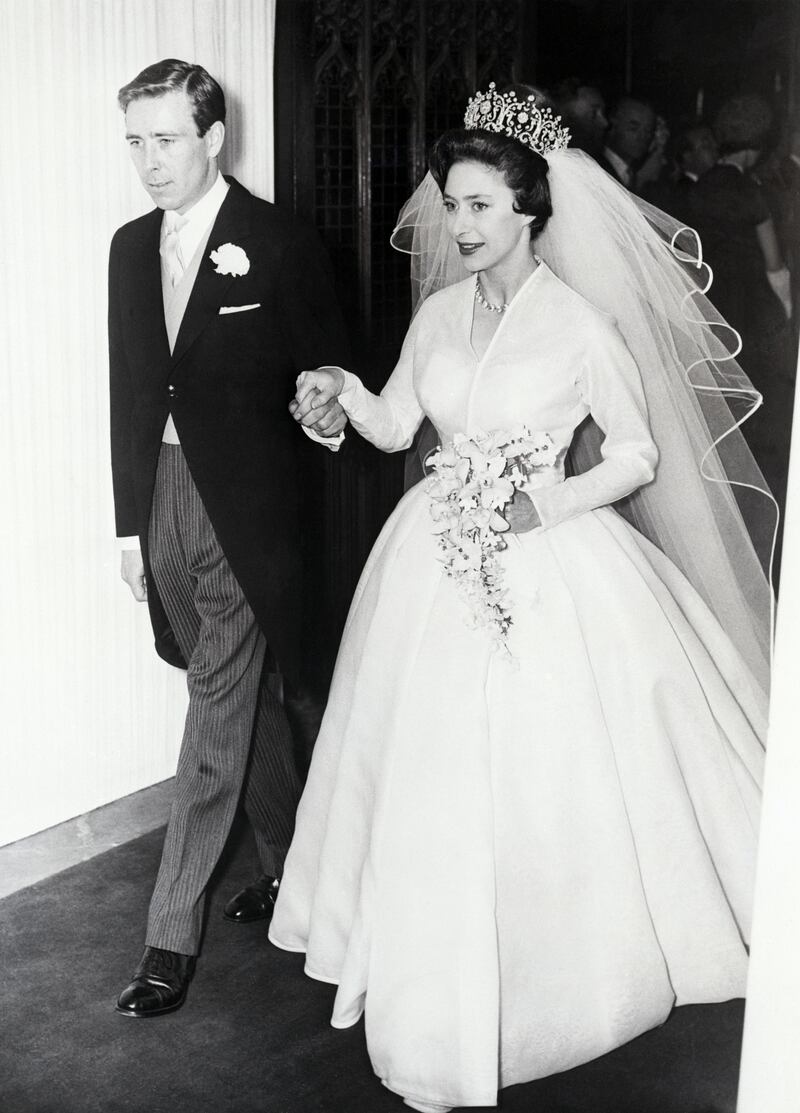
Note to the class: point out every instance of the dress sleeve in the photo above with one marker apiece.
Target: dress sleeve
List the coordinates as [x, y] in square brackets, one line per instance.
[608, 382]
[389, 419]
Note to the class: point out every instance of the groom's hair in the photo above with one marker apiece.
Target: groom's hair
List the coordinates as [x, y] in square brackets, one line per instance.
[172, 75]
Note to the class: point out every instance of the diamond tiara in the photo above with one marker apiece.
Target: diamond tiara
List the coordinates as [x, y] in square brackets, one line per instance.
[503, 113]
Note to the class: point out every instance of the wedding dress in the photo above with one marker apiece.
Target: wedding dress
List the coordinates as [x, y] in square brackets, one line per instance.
[511, 864]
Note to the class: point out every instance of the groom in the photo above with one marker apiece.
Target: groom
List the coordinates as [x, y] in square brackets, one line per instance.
[216, 301]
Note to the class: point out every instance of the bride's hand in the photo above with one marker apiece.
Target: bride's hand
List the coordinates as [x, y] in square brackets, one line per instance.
[521, 515]
[316, 390]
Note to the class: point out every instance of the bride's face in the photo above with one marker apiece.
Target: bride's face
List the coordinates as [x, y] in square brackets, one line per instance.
[481, 217]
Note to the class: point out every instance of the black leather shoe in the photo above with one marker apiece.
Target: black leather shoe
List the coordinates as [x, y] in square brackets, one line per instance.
[159, 984]
[255, 902]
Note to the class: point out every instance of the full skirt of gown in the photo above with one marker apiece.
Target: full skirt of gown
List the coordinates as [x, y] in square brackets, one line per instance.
[514, 865]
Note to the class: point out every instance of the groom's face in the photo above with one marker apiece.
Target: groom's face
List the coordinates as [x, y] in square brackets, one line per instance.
[176, 165]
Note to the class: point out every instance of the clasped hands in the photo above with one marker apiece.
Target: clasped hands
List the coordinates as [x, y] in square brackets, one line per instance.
[316, 406]
[316, 402]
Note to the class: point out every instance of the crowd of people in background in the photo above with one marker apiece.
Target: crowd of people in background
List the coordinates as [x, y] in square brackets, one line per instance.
[735, 180]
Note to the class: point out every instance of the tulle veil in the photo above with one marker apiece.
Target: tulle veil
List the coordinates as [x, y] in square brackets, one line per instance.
[709, 508]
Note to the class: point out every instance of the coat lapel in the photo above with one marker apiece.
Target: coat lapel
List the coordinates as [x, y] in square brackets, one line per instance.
[146, 301]
[208, 294]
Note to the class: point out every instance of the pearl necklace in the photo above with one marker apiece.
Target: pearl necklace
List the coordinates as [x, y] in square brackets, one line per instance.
[481, 300]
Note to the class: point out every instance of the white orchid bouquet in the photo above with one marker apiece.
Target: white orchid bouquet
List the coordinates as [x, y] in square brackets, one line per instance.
[472, 481]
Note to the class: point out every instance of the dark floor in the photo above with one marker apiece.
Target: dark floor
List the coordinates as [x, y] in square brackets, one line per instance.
[254, 1035]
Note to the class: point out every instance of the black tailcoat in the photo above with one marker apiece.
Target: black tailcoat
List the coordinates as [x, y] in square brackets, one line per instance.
[227, 384]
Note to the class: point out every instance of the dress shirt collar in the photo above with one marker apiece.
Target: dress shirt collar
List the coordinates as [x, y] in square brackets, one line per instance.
[621, 168]
[199, 218]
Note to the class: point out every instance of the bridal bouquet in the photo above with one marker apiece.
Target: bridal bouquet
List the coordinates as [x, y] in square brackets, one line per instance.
[473, 479]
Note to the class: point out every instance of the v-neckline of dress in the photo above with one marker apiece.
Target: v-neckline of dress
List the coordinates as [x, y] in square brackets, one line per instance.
[470, 315]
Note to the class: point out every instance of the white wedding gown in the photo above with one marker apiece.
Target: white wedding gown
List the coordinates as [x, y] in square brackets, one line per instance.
[512, 867]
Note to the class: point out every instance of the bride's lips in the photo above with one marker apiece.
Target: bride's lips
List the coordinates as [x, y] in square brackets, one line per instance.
[469, 248]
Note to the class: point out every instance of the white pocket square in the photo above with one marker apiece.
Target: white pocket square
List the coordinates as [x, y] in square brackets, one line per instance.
[238, 308]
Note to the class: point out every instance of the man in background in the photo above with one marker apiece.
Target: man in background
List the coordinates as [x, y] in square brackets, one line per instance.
[582, 109]
[634, 144]
[694, 152]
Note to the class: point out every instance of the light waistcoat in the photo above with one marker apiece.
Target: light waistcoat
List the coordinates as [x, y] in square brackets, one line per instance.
[175, 301]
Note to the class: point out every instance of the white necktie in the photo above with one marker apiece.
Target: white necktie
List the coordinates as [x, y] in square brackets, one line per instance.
[171, 246]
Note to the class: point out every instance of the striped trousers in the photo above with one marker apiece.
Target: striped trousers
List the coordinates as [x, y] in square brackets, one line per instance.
[236, 741]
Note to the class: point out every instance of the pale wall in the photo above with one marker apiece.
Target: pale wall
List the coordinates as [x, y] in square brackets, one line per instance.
[89, 713]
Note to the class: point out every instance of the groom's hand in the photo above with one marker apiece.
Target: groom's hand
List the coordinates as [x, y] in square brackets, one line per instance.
[316, 388]
[316, 405]
[327, 420]
[132, 572]
[331, 421]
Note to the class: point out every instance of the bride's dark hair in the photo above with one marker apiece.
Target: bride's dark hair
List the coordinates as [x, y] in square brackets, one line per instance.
[525, 171]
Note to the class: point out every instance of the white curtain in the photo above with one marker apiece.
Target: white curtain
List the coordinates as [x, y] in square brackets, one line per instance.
[87, 711]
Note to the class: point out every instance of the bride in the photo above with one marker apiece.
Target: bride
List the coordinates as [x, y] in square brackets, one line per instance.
[529, 828]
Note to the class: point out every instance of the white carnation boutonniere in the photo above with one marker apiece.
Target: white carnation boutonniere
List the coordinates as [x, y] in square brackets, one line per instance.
[230, 259]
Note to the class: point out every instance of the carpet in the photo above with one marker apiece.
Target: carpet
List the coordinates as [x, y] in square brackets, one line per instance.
[254, 1035]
